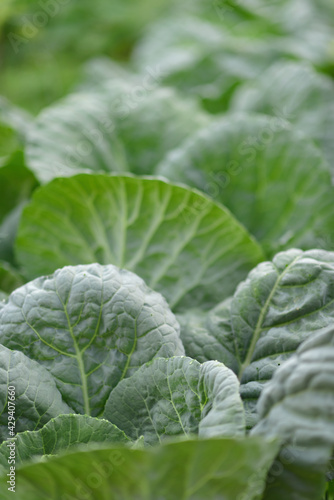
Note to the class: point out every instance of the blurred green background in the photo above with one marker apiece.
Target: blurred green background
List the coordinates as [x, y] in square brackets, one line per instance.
[45, 42]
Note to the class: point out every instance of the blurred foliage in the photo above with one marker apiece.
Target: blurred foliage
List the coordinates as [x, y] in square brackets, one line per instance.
[45, 41]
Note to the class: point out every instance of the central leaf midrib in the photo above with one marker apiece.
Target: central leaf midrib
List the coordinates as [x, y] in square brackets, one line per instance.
[127, 364]
[258, 327]
[78, 356]
[173, 404]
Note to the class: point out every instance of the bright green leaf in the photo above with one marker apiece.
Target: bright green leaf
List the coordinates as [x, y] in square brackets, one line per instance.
[14, 124]
[181, 243]
[191, 470]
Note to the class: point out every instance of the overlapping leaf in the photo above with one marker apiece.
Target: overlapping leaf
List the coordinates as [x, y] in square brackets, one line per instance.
[177, 396]
[36, 398]
[9, 278]
[298, 406]
[280, 305]
[209, 335]
[271, 178]
[59, 435]
[149, 120]
[121, 127]
[300, 94]
[17, 183]
[224, 44]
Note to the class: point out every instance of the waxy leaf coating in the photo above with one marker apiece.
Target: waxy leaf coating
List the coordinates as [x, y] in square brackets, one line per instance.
[280, 305]
[90, 326]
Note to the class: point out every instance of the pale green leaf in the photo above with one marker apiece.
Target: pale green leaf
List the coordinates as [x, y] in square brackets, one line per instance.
[152, 123]
[121, 126]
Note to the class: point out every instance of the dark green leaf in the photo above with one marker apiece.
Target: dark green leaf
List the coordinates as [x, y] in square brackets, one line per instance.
[60, 434]
[207, 336]
[298, 406]
[75, 135]
[90, 326]
[35, 398]
[17, 183]
[9, 278]
[280, 305]
[271, 177]
[299, 94]
[177, 396]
